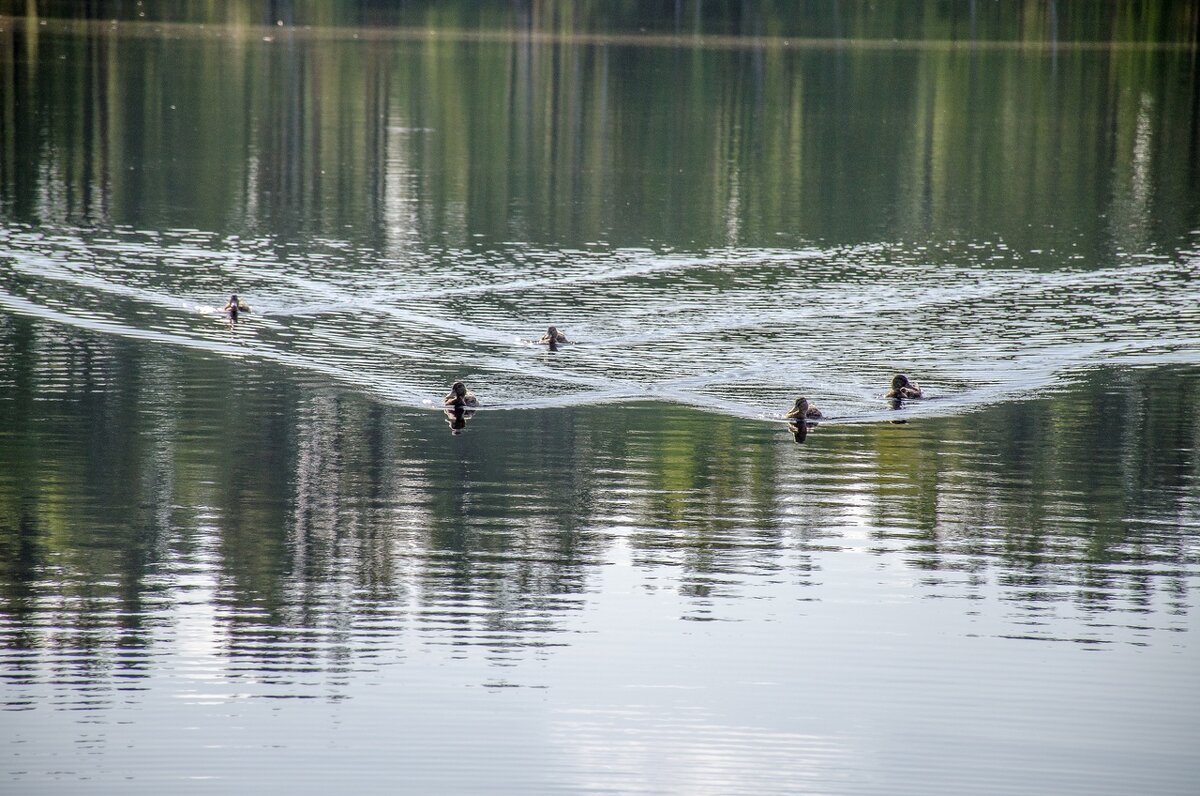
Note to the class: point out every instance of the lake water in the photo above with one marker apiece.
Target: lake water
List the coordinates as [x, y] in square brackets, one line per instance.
[258, 556]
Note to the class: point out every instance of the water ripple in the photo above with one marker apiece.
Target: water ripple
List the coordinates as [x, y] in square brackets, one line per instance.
[734, 331]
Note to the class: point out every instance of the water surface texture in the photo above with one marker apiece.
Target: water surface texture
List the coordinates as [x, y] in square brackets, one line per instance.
[256, 555]
[404, 213]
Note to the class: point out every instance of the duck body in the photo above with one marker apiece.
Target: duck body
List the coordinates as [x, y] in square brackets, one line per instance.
[553, 336]
[460, 396]
[235, 305]
[803, 409]
[903, 387]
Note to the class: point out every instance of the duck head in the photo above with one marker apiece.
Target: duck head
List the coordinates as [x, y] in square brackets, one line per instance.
[899, 381]
[799, 409]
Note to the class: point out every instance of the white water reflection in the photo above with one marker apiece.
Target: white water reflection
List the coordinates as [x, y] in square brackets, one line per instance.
[738, 331]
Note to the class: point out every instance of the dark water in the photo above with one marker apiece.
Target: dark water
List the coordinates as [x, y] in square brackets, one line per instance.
[253, 556]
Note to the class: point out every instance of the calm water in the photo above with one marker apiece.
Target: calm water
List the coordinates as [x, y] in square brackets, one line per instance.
[253, 556]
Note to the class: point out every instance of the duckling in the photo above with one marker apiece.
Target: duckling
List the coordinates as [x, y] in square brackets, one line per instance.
[804, 409]
[235, 305]
[553, 335]
[903, 387]
[460, 396]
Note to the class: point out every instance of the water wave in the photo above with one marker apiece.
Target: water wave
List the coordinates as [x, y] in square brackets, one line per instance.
[737, 331]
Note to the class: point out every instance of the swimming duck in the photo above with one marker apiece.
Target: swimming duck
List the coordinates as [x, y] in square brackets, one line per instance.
[460, 396]
[553, 335]
[903, 387]
[802, 408]
[236, 305]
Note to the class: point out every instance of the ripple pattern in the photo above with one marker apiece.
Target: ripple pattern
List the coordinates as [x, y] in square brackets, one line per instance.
[736, 331]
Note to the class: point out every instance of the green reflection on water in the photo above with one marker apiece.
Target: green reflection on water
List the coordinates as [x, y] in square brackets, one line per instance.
[442, 141]
[125, 468]
[281, 536]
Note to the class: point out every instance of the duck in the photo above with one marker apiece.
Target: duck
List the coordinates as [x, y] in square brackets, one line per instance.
[235, 305]
[802, 408]
[903, 387]
[553, 335]
[460, 396]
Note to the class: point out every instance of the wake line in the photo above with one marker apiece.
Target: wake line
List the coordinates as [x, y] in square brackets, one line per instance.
[842, 315]
[414, 399]
[31, 309]
[1037, 370]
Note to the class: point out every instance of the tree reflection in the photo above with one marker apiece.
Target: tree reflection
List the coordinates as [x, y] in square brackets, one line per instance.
[135, 480]
[429, 139]
[329, 510]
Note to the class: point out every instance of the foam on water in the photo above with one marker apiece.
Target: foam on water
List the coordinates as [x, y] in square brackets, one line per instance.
[738, 331]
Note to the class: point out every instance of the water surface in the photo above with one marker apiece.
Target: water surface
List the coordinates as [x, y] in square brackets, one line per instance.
[253, 555]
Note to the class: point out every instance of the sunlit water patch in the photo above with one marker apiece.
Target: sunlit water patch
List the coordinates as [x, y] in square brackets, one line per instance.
[740, 331]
